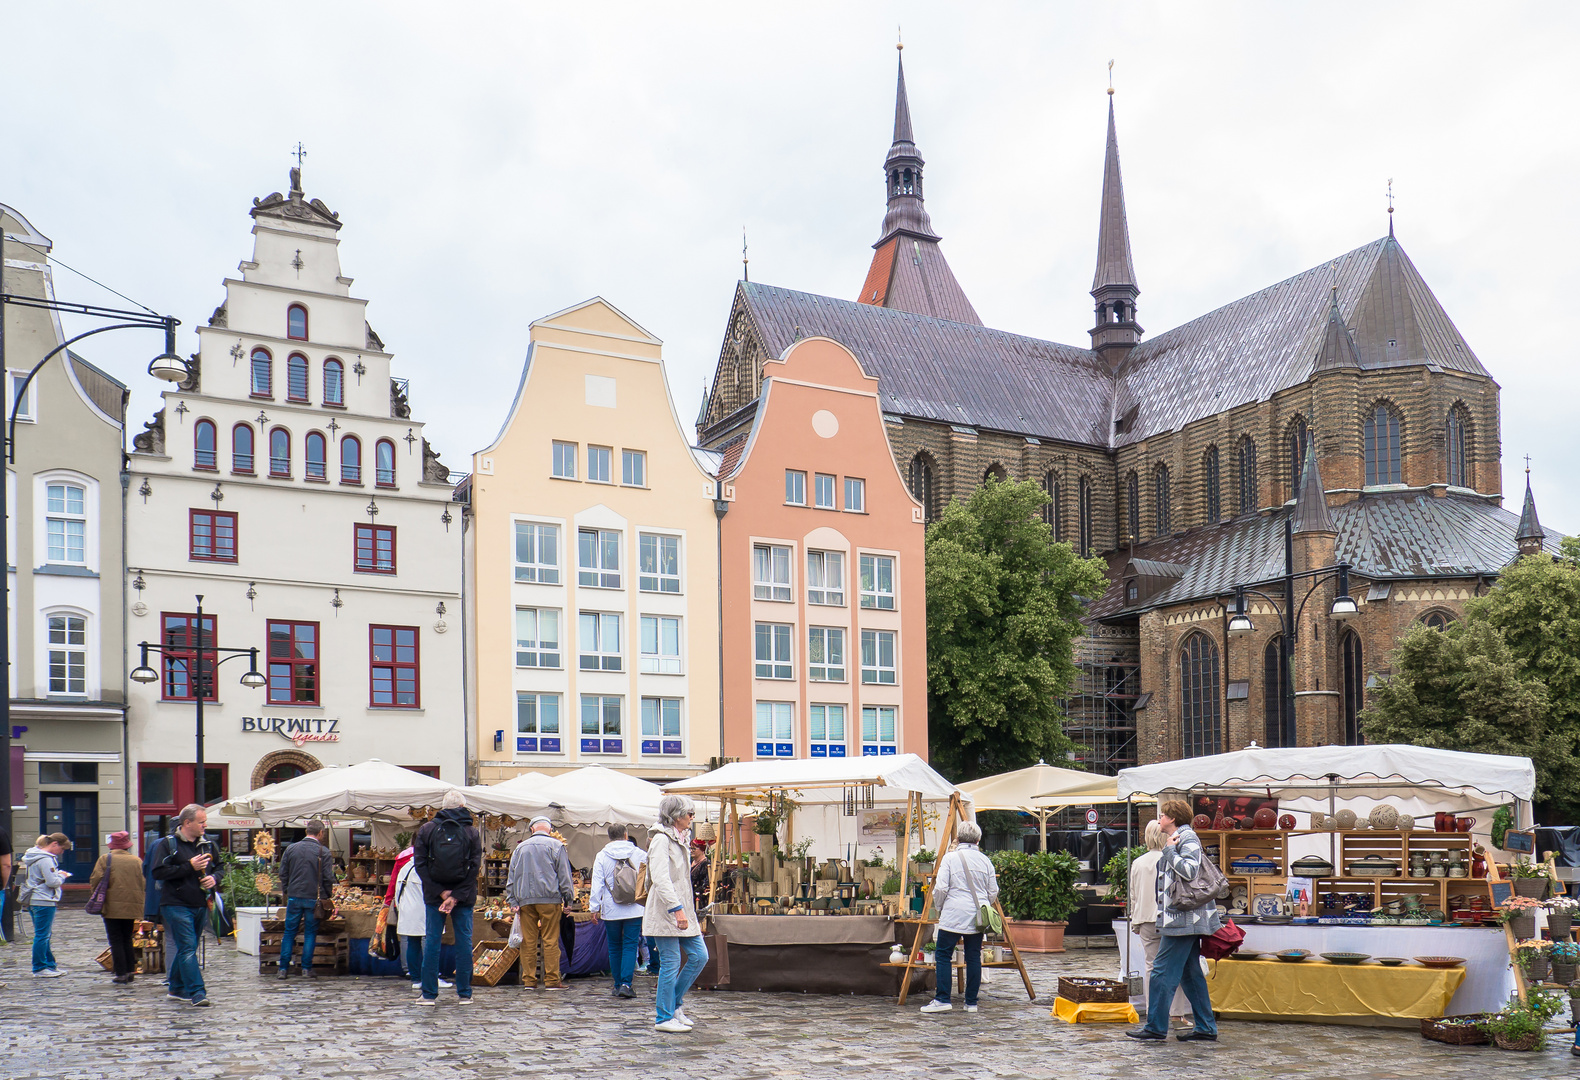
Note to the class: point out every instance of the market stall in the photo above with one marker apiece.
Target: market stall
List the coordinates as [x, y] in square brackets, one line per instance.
[1373, 851]
[1040, 791]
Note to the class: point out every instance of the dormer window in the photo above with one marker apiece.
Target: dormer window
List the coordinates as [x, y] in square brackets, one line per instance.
[296, 322]
[1132, 591]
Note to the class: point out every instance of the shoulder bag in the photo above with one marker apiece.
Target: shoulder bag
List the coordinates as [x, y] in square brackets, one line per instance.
[101, 891]
[1206, 886]
[326, 905]
[989, 921]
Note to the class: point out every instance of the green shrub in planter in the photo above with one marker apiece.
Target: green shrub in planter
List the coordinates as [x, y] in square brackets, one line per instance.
[1117, 871]
[1037, 886]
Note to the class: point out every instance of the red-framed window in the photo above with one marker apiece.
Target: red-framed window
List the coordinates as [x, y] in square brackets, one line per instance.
[205, 449]
[211, 536]
[279, 452]
[393, 678]
[375, 549]
[351, 460]
[164, 787]
[334, 382]
[296, 322]
[293, 663]
[178, 635]
[241, 446]
[262, 373]
[317, 456]
[384, 463]
[296, 377]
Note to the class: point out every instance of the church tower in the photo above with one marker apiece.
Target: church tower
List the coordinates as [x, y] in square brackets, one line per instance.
[908, 269]
[1116, 331]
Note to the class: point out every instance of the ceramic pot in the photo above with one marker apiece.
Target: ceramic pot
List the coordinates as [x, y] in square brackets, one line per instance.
[1266, 818]
[1345, 819]
[1286, 821]
[1201, 823]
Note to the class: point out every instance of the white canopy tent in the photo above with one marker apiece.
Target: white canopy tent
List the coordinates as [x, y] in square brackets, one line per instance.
[373, 788]
[580, 803]
[1040, 790]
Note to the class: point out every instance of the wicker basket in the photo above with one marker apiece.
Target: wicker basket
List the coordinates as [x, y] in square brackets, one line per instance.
[1523, 927]
[1082, 990]
[1536, 970]
[105, 960]
[1559, 923]
[1524, 1042]
[497, 968]
[1455, 1034]
[1563, 972]
[1534, 887]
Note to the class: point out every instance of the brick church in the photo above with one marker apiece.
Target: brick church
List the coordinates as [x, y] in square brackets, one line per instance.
[1337, 416]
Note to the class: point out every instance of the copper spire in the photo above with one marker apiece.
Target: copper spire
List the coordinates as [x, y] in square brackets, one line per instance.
[1114, 265]
[1338, 348]
[1311, 499]
[1529, 536]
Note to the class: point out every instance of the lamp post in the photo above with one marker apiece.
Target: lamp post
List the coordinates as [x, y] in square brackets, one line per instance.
[1342, 610]
[166, 365]
[197, 674]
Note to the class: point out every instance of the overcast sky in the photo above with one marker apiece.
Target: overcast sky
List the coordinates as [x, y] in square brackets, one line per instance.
[495, 163]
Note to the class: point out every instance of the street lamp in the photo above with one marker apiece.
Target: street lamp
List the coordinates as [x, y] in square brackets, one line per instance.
[198, 673]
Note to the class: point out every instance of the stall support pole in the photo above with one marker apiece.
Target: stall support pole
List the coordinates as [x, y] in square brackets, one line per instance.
[905, 848]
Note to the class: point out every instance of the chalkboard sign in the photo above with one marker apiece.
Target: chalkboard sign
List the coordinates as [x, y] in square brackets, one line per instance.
[1501, 891]
[1519, 841]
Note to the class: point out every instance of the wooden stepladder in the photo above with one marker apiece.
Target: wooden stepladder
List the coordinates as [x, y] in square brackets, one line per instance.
[946, 841]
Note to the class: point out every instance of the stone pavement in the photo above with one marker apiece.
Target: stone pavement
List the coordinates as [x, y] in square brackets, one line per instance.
[80, 1026]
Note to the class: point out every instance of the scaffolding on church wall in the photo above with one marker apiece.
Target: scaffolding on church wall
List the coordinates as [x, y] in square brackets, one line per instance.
[1100, 717]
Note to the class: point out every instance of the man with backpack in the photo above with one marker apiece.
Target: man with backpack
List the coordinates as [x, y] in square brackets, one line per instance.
[538, 888]
[617, 896]
[447, 854]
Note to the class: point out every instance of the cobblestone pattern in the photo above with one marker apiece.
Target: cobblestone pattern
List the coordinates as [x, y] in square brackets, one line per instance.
[80, 1027]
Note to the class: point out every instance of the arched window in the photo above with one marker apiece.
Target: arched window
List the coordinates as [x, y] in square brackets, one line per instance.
[1210, 467]
[1382, 446]
[1201, 702]
[921, 484]
[296, 322]
[279, 452]
[1458, 460]
[241, 448]
[1437, 620]
[995, 472]
[1247, 475]
[350, 460]
[1053, 513]
[1133, 507]
[317, 456]
[1299, 441]
[262, 373]
[204, 439]
[296, 377]
[1276, 718]
[334, 382]
[1085, 511]
[1353, 689]
[1160, 494]
[384, 463]
[907, 186]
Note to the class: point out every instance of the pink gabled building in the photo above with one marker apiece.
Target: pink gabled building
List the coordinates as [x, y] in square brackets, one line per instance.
[825, 620]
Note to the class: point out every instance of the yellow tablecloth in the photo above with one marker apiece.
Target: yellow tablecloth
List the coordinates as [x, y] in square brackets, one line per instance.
[1089, 1012]
[1317, 989]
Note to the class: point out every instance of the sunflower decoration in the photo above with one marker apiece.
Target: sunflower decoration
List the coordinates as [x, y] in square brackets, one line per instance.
[264, 883]
[510, 822]
[263, 845]
[558, 835]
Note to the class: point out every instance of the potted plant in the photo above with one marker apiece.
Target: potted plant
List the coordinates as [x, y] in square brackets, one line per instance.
[1529, 879]
[1560, 915]
[1038, 894]
[923, 861]
[1117, 871]
[802, 853]
[1574, 1002]
[1532, 956]
[1519, 1026]
[1564, 956]
[1518, 913]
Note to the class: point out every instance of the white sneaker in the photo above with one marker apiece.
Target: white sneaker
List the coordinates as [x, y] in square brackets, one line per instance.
[937, 1006]
[48, 973]
[446, 984]
[416, 986]
[672, 1025]
[971, 1008]
[680, 1014]
[430, 1002]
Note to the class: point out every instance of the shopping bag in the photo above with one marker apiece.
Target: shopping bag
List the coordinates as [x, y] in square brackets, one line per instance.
[515, 933]
[1221, 944]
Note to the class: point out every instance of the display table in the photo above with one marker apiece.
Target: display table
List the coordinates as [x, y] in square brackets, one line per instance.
[814, 954]
[1486, 987]
[1321, 992]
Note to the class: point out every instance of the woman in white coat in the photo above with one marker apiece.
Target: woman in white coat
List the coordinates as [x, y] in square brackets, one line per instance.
[411, 917]
[670, 917]
[966, 881]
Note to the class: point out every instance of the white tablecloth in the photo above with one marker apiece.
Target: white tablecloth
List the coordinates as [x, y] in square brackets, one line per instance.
[1488, 978]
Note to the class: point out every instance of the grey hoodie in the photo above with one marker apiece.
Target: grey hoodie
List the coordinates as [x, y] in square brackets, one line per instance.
[540, 873]
[41, 886]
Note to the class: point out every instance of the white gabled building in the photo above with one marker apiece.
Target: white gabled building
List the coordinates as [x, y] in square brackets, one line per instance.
[287, 484]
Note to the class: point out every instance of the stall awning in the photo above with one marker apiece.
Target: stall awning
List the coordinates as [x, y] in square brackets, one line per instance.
[591, 795]
[371, 788]
[1041, 787]
[904, 772]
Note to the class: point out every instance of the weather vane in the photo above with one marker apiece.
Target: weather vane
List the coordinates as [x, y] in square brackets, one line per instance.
[745, 269]
[299, 153]
[1110, 78]
[899, 38]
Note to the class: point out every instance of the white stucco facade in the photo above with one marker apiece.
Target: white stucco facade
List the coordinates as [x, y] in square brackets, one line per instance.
[341, 563]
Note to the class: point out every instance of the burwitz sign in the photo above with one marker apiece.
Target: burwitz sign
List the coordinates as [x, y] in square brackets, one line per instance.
[296, 729]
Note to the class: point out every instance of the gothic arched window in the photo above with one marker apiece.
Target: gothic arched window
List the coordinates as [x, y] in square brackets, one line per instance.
[995, 472]
[1160, 495]
[1275, 702]
[1299, 441]
[1247, 475]
[1201, 703]
[1437, 620]
[1458, 460]
[1085, 511]
[1053, 513]
[1382, 446]
[1133, 507]
[1209, 466]
[921, 484]
[1352, 686]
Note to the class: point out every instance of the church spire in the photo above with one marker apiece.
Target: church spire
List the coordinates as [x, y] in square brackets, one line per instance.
[1114, 288]
[1311, 499]
[908, 268]
[1529, 536]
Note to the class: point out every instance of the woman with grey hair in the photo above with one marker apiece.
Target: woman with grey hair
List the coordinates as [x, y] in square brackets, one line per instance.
[670, 917]
[965, 882]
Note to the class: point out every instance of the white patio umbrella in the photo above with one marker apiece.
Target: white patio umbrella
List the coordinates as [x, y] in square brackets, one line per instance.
[1040, 790]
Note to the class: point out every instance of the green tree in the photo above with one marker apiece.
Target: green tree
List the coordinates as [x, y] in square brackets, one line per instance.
[1505, 679]
[1003, 613]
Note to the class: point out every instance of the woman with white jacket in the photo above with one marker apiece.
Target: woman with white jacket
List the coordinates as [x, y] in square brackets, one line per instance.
[411, 916]
[965, 882]
[670, 917]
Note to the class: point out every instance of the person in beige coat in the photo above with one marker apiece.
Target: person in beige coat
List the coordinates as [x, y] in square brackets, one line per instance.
[123, 905]
[670, 917]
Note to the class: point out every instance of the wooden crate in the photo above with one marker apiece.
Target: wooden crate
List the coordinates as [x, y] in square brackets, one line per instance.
[152, 960]
[490, 975]
[331, 953]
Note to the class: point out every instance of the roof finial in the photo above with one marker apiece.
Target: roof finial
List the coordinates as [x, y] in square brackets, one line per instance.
[296, 174]
[1110, 78]
[1390, 208]
[899, 38]
[1527, 465]
[745, 271]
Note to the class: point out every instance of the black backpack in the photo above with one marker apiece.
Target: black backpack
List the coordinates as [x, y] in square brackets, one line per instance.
[448, 848]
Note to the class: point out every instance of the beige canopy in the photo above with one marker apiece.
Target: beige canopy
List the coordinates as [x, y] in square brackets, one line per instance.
[1040, 790]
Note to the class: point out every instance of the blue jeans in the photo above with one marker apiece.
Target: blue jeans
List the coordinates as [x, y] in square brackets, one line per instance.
[652, 954]
[944, 956]
[414, 957]
[43, 924]
[623, 934]
[185, 925]
[1178, 966]
[297, 913]
[461, 921]
[675, 978]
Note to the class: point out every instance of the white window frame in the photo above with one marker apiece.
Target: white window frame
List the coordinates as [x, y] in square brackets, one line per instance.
[602, 573]
[795, 487]
[822, 717]
[71, 515]
[563, 463]
[66, 649]
[600, 460]
[877, 598]
[655, 580]
[610, 738]
[829, 643]
[531, 737]
[878, 746]
[537, 572]
[657, 712]
[874, 672]
[855, 495]
[89, 518]
[817, 491]
[779, 663]
[25, 413]
[768, 583]
[660, 660]
[533, 649]
[605, 631]
[823, 587]
[633, 463]
[773, 729]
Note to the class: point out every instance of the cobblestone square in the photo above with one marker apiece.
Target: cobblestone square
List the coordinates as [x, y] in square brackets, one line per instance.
[80, 1027]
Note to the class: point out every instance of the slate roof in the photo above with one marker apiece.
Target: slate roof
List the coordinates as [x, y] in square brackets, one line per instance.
[1383, 535]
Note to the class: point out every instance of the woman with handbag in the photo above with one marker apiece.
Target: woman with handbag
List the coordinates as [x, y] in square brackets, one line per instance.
[115, 891]
[963, 893]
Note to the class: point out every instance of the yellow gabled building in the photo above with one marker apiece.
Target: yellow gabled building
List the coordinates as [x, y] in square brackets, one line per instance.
[592, 565]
